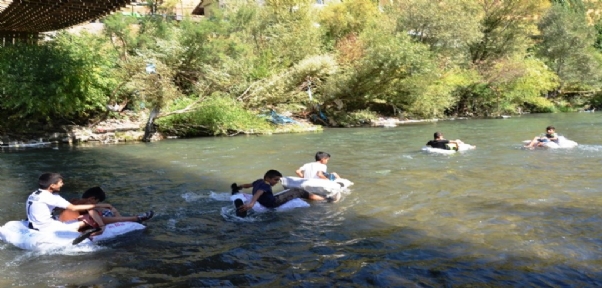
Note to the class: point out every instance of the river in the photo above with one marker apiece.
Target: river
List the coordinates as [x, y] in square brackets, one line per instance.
[498, 215]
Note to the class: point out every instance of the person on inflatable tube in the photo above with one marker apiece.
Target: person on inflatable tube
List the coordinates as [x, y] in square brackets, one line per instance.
[42, 202]
[540, 141]
[317, 169]
[442, 143]
[262, 193]
[96, 195]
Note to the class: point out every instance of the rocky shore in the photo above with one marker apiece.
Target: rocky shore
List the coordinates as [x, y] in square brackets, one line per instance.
[111, 131]
[130, 128]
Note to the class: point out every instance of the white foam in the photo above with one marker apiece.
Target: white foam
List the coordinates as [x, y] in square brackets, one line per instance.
[224, 196]
[191, 196]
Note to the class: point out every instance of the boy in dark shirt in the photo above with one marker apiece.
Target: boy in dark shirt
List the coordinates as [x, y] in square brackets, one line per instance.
[262, 193]
[441, 143]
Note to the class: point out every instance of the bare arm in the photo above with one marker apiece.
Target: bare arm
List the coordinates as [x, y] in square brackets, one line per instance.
[86, 207]
[243, 186]
[299, 172]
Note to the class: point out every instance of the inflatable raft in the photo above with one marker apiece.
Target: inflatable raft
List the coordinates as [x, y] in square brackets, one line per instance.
[322, 187]
[295, 203]
[462, 147]
[563, 142]
[17, 233]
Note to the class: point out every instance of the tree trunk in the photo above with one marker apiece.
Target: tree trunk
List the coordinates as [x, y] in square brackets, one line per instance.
[149, 129]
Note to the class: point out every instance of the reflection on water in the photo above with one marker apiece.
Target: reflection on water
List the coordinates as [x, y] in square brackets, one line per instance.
[496, 215]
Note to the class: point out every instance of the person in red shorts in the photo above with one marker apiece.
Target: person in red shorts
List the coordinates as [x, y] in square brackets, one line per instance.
[99, 217]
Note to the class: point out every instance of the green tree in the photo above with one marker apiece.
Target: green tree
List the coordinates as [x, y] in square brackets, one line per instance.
[448, 27]
[119, 30]
[567, 42]
[56, 82]
[575, 5]
[392, 70]
[506, 27]
[338, 20]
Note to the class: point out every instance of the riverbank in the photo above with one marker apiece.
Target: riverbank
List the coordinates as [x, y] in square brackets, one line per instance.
[129, 127]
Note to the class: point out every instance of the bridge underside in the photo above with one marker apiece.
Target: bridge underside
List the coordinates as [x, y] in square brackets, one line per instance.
[24, 19]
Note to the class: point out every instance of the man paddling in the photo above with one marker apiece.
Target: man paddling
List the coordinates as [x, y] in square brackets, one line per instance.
[262, 193]
[442, 143]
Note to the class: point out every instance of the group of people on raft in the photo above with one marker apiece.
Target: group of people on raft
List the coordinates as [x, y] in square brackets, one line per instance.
[262, 188]
[89, 215]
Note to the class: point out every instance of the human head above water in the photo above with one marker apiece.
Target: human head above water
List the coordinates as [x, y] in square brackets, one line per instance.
[550, 128]
[322, 155]
[271, 174]
[95, 192]
[48, 179]
[437, 135]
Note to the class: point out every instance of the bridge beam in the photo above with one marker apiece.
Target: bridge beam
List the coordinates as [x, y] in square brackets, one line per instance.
[34, 16]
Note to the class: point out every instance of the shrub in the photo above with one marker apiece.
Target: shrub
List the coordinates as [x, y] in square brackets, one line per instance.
[355, 118]
[218, 115]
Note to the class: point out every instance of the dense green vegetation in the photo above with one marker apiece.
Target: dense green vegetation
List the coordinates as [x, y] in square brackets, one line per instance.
[348, 61]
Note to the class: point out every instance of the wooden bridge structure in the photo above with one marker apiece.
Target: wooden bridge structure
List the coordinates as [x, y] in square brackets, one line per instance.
[23, 20]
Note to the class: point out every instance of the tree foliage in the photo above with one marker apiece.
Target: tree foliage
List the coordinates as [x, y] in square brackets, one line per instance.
[339, 20]
[507, 27]
[59, 81]
[428, 22]
[567, 46]
[416, 58]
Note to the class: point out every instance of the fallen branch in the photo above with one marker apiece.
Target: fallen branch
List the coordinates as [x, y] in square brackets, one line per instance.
[234, 133]
[242, 96]
[176, 128]
[187, 109]
[578, 92]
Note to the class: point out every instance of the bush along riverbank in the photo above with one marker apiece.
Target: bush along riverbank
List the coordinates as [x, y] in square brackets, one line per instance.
[129, 126]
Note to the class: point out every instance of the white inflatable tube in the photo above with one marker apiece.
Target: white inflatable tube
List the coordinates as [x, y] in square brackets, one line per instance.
[295, 203]
[322, 187]
[461, 147]
[562, 143]
[17, 233]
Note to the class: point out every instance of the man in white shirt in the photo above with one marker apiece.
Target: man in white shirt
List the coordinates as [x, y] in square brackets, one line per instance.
[317, 170]
[40, 204]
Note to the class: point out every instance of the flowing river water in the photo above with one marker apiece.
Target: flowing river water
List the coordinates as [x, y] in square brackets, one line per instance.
[498, 215]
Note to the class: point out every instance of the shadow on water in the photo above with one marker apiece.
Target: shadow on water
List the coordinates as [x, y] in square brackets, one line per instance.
[391, 231]
[314, 254]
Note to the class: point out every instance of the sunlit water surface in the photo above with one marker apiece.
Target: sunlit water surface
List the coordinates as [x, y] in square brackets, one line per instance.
[498, 215]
